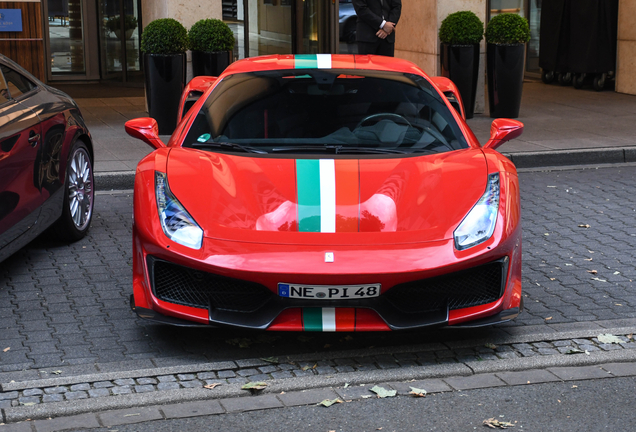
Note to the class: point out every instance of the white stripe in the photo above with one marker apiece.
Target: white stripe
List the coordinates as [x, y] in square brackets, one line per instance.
[328, 319]
[324, 61]
[327, 196]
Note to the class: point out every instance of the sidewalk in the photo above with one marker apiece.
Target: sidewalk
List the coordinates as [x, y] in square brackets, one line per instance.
[563, 126]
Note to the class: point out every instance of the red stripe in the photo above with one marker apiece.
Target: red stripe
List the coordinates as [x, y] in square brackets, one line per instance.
[288, 320]
[347, 195]
[345, 319]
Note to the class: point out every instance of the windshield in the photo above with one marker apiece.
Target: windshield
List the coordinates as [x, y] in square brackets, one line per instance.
[316, 111]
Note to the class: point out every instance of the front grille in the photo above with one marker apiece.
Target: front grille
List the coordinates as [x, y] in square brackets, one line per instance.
[477, 286]
[185, 286]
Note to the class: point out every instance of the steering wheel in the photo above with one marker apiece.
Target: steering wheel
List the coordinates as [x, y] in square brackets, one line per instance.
[390, 116]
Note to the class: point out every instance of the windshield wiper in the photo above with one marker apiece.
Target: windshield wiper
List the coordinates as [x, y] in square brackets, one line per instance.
[337, 149]
[229, 146]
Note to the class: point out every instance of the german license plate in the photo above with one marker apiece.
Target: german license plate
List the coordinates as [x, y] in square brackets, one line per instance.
[328, 292]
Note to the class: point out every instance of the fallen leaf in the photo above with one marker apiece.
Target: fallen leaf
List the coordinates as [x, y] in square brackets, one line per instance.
[6, 349]
[254, 386]
[382, 392]
[608, 338]
[132, 415]
[598, 279]
[546, 234]
[496, 424]
[346, 385]
[27, 403]
[366, 396]
[270, 359]
[575, 351]
[240, 342]
[305, 368]
[417, 392]
[592, 271]
[56, 372]
[584, 225]
[587, 259]
[490, 346]
[630, 336]
[575, 386]
[552, 279]
[327, 402]
[617, 304]
[211, 386]
[548, 318]
[617, 273]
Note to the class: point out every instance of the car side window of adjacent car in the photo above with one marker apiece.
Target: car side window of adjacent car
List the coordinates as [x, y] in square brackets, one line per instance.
[4, 91]
[16, 83]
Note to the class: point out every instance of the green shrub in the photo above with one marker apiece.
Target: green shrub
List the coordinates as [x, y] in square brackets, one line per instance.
[461, 28]
[211, 35]
[164, 36]
[507, 29]
[113, 24]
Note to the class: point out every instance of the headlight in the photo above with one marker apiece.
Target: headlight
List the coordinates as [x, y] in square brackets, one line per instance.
[176, 223]
[479, 223]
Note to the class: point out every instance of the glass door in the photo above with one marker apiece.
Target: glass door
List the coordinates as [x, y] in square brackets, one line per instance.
[66, 37]
[119, 40]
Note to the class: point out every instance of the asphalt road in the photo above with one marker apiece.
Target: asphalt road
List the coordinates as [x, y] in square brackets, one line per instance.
[67, 305]
[592, 405]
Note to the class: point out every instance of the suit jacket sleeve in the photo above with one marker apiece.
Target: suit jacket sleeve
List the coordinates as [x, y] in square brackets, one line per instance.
[396, 11]
[365, 14]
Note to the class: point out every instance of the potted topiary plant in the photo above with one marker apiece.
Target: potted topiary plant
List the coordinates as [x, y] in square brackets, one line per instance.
[113, 24]
[506, 38]
[460, 34]
[211, 42]
[164, 43]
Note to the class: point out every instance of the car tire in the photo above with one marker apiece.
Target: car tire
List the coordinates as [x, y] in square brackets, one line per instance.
[79, 194]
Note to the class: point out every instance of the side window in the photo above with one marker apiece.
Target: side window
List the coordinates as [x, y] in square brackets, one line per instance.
[4, 92]
[17, 83]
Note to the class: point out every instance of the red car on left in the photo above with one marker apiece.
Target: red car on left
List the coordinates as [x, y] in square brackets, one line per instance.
[46, 162]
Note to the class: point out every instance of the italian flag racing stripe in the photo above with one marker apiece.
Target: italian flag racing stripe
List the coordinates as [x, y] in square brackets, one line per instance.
[328, 195]
[312, 61]
[329, 319]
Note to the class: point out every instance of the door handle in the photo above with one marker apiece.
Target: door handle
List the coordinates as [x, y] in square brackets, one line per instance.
[33, 139]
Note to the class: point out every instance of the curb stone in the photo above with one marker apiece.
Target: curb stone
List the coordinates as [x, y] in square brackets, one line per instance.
[274, 397]
[119, 180]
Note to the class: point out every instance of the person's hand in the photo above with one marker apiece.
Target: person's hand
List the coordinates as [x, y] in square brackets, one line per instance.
[382, 34]
[388, 27]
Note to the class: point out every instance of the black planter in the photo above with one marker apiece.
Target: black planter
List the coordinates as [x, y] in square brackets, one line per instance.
[460, 63]
[165, 80]
[209, 63]
[505, 64]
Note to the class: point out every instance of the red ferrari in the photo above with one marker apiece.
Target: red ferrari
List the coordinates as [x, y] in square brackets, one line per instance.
[325, 193]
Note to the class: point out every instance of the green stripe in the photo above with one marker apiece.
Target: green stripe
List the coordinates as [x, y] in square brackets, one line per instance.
[312, 319]
[305, 61]
[308, 184]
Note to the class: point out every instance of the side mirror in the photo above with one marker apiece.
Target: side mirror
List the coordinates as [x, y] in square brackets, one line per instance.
[145, 129]
[503, 130]
[193, 91]
[450, 90]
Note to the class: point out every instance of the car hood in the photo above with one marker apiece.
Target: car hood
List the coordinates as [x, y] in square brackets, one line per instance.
[327, 200]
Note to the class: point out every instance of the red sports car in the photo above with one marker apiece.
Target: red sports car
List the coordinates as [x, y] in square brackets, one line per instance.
[325, 193]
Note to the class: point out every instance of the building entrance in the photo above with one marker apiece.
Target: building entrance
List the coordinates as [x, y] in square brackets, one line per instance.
[91, 40]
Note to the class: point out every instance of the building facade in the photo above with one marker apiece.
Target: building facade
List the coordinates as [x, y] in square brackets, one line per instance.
[98, 40]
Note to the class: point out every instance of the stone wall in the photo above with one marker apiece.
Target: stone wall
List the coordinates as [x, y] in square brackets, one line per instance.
[626, 54]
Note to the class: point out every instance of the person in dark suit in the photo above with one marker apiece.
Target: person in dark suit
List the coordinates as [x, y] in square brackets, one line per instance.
[375, 31]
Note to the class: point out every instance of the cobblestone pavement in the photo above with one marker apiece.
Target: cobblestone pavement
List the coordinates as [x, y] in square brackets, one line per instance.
[64, 309]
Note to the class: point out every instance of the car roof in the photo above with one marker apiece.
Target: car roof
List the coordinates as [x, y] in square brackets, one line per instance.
[336, 61]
